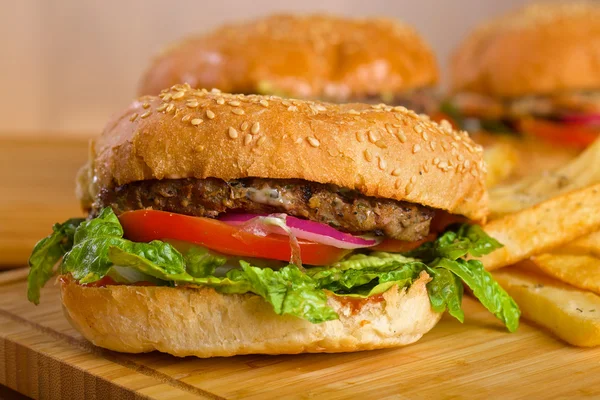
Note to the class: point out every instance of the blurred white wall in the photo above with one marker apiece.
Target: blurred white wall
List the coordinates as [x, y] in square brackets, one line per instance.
[66, 65]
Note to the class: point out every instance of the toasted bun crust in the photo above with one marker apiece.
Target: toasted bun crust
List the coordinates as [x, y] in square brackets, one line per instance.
[299, 56]
[200, 322]
[379, 150]
[540, 49]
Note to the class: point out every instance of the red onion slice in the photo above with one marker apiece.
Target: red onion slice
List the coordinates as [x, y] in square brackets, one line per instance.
[303, 229]
[584, 119]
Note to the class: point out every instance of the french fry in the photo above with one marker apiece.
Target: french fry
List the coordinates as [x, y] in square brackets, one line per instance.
[581, 271]
[542, 227]
[579, 173]
[571, 314]
[589, 244]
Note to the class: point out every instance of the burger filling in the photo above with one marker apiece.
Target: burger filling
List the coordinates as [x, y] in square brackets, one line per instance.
[344, 209]
[292, 242]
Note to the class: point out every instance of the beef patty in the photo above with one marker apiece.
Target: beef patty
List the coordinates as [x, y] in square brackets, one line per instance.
[346, 210]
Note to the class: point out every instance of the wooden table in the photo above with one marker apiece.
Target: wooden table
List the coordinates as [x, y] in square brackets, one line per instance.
[42, 356]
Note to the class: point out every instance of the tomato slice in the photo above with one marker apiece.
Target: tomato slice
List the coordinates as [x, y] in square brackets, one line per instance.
[559, 133]
[148, 225]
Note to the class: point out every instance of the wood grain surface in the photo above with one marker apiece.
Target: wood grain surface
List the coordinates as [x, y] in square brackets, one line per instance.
[42, 356]
[37, 189]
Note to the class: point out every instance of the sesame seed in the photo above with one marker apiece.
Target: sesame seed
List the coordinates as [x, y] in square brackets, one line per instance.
[401, 137]
[443, 164]
[360, 136]
[389, 128]
[416, 148]
[220, 101]
[425, 136]
[261, 140]
[233, 133]
[255, 128]
[418, 128]
[247, 139]
[397, 184]
[382, 164]
[313, 142]
[454, 144]
[167, 97]
[264, 103]
[210, 114]
[186, 118]
[432, 144]
[413, 179]
[353, 112]
[177, 110]
[368, 156]
[445, 146]
[474, 172]
[320, 107]
[286, 103]
[397, 172]
[133, 117]
[426, 167]
[171, 107]
[372, 137]
[244, 125]
[409, 188]
[145, 105]
[146, 114]
[436, 161]
[215, 90]
[234, 103]
[292, 108]
[467, 163]
[196, 121]
[238, 111]
[400, 109]
[177, 95]
[161, 107]
[192, 104]
[381, 144]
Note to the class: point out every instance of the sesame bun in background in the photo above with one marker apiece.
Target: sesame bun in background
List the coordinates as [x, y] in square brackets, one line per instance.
[533, 74]
[323, 57]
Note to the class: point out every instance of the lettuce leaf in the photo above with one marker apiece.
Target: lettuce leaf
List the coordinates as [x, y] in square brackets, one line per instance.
[94, 248]
[46, 254]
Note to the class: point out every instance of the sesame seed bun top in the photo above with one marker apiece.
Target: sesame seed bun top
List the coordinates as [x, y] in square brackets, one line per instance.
[313, 56]
[381, 151]
[540, 49]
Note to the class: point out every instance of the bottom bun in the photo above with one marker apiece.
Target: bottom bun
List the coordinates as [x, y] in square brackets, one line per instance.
[198, 321]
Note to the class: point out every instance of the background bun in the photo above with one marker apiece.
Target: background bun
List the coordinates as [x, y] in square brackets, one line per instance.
[378, 150]
[201, 322]
[540, 49]
[299, 56]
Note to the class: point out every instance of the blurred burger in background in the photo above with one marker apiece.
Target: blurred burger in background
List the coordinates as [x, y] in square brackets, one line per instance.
[310, 57]
[527, 85]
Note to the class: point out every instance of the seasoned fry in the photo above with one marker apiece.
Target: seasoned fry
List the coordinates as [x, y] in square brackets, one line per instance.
[572, 314]
[542, 227]
[578, 270]
[589, 244]
[579, 173]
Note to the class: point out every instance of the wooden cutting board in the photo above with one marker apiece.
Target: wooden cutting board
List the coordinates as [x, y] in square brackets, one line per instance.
[42, 356]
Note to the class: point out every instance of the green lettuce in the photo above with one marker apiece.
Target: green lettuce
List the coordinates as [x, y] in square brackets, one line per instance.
[96, 248]
[46, 254]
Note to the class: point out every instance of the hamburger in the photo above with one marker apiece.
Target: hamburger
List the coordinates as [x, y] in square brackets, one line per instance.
[531, 78]
[223, 224]
[312, 57]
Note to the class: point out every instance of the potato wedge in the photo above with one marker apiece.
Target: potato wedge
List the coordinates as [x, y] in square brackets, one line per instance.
[589, 245]
[579, 173]
[571, 314]
[580, 271]
[540, 228]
